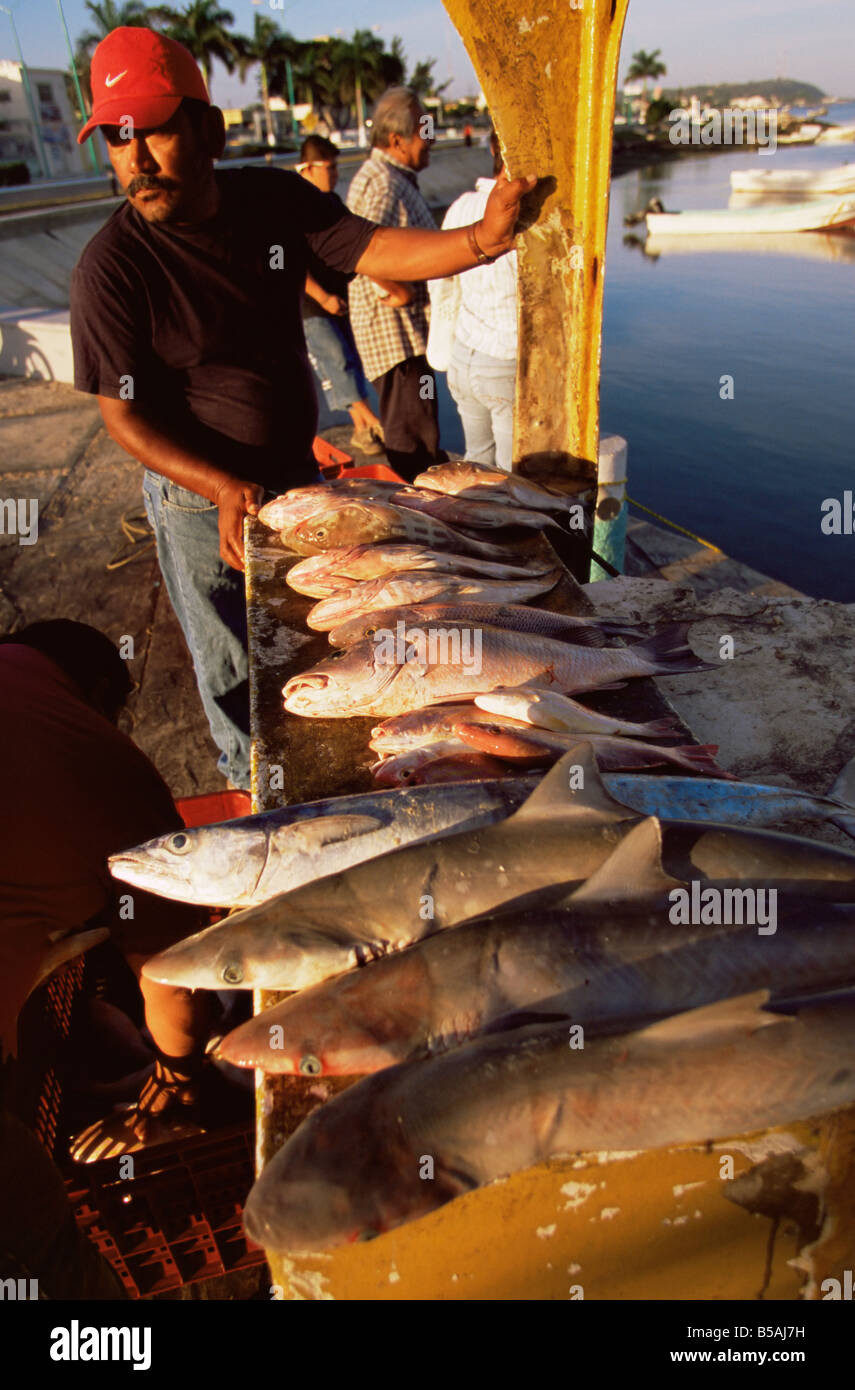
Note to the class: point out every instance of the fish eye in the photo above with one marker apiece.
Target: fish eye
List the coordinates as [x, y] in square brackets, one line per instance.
[179, 843]
[320, 533]
[310, 1065]
[232, 974]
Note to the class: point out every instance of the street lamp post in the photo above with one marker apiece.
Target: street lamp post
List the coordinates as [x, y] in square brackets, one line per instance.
[25, 78]
[91, 141]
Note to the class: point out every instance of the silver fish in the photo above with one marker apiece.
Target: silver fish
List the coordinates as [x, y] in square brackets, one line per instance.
[373, 595]
[432, 665]
[560, 840]
[511, 969]
[584, 632]
[355, 1168]
[332, 570]
[548, 709]
[243, 862]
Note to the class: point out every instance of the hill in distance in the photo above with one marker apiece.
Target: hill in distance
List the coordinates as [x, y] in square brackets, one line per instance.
[778, 91]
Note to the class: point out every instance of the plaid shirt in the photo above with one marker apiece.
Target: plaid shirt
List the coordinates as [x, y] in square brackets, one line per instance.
[386, 193]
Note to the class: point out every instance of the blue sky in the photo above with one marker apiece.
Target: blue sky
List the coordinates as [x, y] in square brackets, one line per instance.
[734, 40]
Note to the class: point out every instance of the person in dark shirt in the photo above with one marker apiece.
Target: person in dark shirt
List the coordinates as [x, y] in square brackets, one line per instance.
[84, 791]
[329, 338]
[186, 324]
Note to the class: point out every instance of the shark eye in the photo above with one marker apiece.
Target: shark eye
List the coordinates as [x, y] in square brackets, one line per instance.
[232, 975]
[310, 1065]
[179, 843]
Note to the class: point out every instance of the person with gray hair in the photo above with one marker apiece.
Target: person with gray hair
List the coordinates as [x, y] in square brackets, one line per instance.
[392, 340]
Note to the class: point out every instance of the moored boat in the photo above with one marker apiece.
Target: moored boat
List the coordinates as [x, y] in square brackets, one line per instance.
[816, 215]
[840, 179]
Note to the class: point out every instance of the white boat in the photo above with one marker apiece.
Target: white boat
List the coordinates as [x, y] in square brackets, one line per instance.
[840, 179]
[836, 134]
[816, 215]
[812, 246]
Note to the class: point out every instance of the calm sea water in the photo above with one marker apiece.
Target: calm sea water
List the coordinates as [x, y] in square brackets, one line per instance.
[749, 474]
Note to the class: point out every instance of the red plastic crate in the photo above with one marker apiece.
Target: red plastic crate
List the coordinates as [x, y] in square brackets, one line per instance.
[329, 459]
[178, 1220]
[213, 807]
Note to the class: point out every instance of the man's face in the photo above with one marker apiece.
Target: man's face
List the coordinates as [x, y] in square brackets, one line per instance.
[414, 152]
[323, 173]
[167, 173]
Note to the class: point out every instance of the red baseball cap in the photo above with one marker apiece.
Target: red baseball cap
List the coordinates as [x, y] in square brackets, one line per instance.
[138, 73]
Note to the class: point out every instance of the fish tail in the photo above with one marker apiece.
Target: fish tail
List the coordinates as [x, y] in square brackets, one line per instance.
[668, 653]
[700, 757]
[660, 728]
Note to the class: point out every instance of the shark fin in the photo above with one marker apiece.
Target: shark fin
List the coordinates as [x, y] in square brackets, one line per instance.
[744, 1013]
[554, 797]
[633, 870]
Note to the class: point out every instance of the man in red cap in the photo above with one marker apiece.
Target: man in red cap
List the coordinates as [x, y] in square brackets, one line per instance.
[186, 323]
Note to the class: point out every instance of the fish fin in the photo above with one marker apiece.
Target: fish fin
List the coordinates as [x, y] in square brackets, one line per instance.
[633, 870]
[742, 1013]
[844, 786]
[308, 836]
[553, 797]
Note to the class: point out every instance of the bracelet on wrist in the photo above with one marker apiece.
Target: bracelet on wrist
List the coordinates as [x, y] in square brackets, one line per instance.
[481, 256]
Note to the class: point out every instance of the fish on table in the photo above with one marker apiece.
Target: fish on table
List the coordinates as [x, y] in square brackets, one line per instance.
[479, 512]
[510, 969]
[414, 587]
[326, 573]
[549, 709]
[531, 748]
[241, 862]
[450, 760]
[462, 478]
[561, 627]
[356, 1167]
[346, 522]
[423, 727]
[430, 664]
[559, 841]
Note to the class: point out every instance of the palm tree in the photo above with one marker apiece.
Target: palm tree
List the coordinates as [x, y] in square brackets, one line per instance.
[315, 78]
[359, 70]
[273, 50]
[107, 16]
[423, 82]
[202, 28]
[646, 65]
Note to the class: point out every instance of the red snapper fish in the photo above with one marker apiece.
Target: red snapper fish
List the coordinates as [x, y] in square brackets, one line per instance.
[417, 666]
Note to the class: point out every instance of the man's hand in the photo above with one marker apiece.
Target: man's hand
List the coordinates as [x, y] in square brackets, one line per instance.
[235, 500]
[334, 305]
[495, 232]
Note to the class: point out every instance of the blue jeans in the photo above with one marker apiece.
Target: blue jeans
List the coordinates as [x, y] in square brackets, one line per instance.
[483, 391]
[333, 355]
[209, 599]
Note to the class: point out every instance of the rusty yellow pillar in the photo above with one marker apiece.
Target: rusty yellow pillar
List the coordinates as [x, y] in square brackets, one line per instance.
[548, 70]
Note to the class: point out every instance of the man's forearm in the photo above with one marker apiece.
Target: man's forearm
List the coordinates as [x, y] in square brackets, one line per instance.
[160, 452]
[415, 253]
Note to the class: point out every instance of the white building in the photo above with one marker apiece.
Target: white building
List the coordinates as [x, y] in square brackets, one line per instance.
[56, 121]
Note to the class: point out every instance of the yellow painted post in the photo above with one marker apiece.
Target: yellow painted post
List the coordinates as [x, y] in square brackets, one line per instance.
[548, 70]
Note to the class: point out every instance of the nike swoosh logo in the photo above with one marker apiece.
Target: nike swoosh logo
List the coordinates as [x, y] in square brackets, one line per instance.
[111, 81]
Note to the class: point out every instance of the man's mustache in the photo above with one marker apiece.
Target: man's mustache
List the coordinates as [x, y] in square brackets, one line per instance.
[147, 182]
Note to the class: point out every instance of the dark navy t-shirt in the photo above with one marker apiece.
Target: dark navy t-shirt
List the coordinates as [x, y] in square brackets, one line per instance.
[204, 327]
